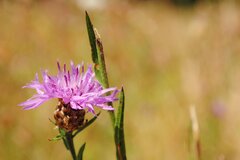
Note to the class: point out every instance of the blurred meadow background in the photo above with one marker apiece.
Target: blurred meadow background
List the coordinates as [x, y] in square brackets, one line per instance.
[168, 55]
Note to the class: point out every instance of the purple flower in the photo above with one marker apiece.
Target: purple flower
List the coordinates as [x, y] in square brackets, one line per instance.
[80, 90]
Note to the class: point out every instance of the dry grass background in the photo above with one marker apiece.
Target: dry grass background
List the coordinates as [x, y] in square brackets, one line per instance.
[166, 57]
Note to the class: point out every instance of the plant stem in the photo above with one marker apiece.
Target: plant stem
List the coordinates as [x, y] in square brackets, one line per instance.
[69, 138]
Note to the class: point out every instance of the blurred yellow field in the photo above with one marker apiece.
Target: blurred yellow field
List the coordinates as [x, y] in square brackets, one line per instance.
[168, 58]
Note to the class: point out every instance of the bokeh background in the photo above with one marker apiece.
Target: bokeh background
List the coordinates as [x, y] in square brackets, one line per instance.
[168, 55]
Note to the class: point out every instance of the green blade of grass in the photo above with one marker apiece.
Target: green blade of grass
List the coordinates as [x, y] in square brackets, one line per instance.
[119, 129]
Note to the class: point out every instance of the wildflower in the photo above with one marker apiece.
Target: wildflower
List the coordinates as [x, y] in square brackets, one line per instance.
[76, 90]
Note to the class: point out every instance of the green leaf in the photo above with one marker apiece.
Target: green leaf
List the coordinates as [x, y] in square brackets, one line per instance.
[92, 39]
[101, 71]
[58, 137]
[86, 125]
[98, 59]
[101, 60]
[62, 132]
[80, 152]
[119, 129]
[61, 135]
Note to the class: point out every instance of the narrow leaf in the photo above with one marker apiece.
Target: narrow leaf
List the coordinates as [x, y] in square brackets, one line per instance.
[92, 39]
[98, 59]
[102, 71]
[101, 60]
[80, 152]
[86, 125]
[58, 137]
[98, 73]
[119, 129]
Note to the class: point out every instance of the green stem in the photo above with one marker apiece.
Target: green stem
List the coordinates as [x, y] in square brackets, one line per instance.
[69, 138]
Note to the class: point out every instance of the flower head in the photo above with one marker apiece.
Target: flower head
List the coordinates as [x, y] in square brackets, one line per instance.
[79, 89]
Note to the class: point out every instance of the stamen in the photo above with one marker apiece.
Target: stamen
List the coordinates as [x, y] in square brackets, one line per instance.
[66, 81]
[82, 68]
[69, 78]
[59, 67]
[64, 68]
[50, 78]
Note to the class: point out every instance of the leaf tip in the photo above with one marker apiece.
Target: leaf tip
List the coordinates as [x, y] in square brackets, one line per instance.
[80, 152]
[122, 89]
[86, 13]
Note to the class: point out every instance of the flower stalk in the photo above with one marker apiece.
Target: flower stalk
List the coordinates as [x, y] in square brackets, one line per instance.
[69, 138]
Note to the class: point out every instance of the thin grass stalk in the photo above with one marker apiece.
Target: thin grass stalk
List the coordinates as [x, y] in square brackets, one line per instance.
[195, 135]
